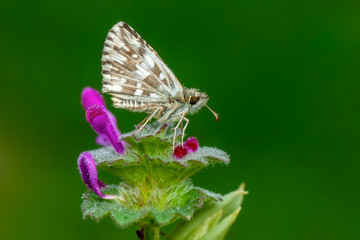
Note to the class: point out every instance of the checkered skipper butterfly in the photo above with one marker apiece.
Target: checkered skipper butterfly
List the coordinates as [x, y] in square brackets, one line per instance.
[139, 81]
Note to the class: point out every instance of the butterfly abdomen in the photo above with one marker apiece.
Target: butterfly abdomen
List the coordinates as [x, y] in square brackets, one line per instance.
[133, 105]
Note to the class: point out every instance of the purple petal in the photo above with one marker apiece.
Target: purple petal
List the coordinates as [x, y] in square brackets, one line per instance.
[102, 140]
[89, 174]
[113, 121]
[99, 119]
[90, 96]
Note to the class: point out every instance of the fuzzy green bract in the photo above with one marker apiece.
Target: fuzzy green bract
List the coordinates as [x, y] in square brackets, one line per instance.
[155, 188]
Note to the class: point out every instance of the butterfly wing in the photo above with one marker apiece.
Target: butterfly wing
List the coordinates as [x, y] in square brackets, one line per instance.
[134, 74]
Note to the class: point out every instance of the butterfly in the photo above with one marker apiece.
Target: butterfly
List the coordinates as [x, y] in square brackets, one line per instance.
[139, 81]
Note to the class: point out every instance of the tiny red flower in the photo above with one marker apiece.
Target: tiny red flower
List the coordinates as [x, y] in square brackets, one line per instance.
[192, 144]
[180, 152]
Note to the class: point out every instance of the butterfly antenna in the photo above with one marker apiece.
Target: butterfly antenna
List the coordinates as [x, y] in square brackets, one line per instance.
[215, 114]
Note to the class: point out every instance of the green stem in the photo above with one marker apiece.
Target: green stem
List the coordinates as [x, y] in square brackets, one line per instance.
[151, 232]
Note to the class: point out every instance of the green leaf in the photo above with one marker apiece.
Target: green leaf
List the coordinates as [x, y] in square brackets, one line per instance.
[207, 218]
[214, 196]
[134, 205]
[219, 231]
[208, 224]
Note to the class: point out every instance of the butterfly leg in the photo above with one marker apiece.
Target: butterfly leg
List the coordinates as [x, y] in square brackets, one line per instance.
[142, 122]
[183, 132]
[147, 119]
[175, 129]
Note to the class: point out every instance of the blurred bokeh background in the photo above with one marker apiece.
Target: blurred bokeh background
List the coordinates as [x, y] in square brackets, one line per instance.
[283, 75]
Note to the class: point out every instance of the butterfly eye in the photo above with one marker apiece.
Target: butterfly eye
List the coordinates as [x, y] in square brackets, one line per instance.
[193, 100]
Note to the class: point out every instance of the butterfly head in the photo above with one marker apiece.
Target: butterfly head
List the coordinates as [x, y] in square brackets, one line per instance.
[197, 100]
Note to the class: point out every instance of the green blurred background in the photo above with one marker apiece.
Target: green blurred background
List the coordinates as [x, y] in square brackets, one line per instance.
[283, 75]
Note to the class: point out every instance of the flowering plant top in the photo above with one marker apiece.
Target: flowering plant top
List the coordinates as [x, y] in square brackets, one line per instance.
[154, 188]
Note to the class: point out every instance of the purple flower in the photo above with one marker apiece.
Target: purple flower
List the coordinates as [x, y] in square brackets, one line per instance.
[89, 174]
[191, 145]
[90, 96]
[101, 119]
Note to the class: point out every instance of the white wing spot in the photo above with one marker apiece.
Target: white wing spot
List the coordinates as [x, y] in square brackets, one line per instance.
[162, 76]
[119, 58]
[122, 81]
[138, 85]
[135, 56]
[150, 62]
[138, 92]
[154, 95]
[116, 88]
[112, 88]
[107, 49]
[142, 73]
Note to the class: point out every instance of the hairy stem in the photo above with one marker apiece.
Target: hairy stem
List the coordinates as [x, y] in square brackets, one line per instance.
[151, 232]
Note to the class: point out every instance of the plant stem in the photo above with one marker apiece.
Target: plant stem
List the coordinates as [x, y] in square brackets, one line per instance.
[151, 232]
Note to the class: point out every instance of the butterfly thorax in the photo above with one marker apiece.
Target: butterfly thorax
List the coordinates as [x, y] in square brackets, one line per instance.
[191, 102]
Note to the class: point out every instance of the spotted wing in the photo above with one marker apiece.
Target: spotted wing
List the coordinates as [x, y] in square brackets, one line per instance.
[134, 74]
